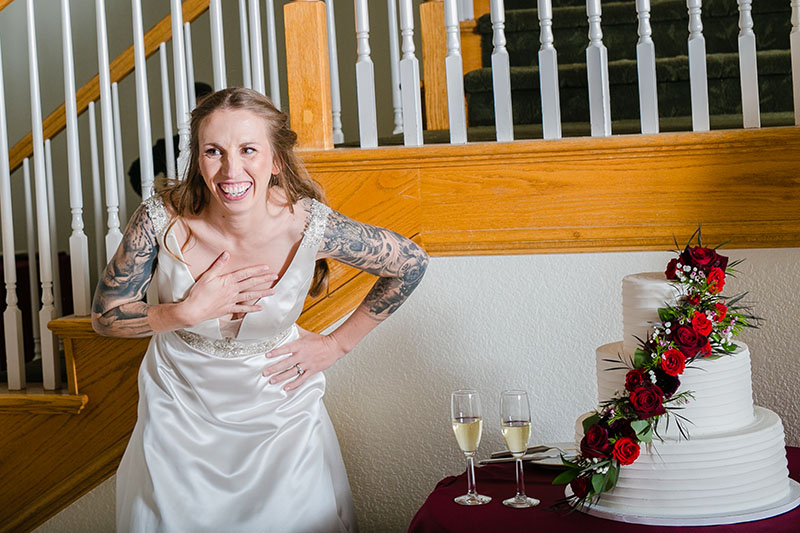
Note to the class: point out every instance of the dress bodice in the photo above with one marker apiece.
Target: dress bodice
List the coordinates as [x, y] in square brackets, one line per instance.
[279, 311]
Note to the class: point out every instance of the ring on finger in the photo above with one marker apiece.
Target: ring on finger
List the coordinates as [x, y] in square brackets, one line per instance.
[300, 369]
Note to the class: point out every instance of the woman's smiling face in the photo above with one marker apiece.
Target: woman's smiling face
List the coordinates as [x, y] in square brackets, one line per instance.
[236, 159]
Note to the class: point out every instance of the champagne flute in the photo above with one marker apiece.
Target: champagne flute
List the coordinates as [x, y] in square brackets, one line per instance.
[465, 411]
[515, 424]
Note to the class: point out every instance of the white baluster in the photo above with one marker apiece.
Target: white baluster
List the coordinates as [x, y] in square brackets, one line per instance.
[548, 73]
[245, 45]
[698, 77]
[394, 62]
[167, 113]
[51, 371]
[217, 44]
[78, 242]
[181, 93]
[409, 79]
[123, 211]
[794, 42]
[51, 216]
[142, 103]
[365, 80]
[748, 67]
[465, 10]
[114, 235]
[333, 62]
[97, 192]
[256, 47]
[272, 53]
[501, 75]
[12, 316]
[187, 38]
[30, 240]
[597, 73]
[646, 67]
[454, 75]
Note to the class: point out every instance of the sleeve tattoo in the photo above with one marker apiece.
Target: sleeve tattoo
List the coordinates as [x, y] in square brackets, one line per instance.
[119, 309]
[398, 261]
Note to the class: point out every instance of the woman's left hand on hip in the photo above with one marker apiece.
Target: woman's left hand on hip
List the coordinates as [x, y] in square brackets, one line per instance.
[311, 353]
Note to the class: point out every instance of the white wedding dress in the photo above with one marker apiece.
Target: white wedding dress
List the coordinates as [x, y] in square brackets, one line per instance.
[217, 447]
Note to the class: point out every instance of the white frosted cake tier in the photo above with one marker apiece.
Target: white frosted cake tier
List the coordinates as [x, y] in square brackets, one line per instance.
[642, 295]
[723, 395]
[730, 472]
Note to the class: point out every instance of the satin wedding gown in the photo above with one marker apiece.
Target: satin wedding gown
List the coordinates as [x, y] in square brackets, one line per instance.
[216, 447]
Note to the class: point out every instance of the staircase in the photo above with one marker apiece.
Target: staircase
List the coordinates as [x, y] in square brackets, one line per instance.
[619, 24]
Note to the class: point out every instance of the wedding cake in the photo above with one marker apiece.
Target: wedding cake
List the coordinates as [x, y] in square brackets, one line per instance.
[731, 468]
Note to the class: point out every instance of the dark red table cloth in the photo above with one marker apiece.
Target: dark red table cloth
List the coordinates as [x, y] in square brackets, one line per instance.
[439, 513]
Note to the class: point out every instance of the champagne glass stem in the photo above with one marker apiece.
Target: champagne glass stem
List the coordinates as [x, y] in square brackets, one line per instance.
[471, 475]
[520, 480]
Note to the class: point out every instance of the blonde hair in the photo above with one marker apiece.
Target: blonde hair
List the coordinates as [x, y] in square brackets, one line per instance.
[191, 195]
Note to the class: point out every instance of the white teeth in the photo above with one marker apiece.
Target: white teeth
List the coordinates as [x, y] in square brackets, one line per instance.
[235, 190]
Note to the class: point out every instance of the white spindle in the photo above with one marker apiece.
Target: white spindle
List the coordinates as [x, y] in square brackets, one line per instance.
[245, 45]
[256, 47]
[114, 236]
[51, 372]
[78, 242]
[51, 215]
[548, 73]
[121, 189]
[181, 93]
[187, 37]
[12, 316]
[465, 10]
[454, 75]
[30, 241]
[333, 62]
[142, 103]
[794, 41]
[365, 80]
[698, 77]
[217, 44]
[646, 67]
[597, 73]
[501, 75]
[97, 192]
[272, 53]
[169, 147]
[748, 67]
[409, 78]
[394, 63]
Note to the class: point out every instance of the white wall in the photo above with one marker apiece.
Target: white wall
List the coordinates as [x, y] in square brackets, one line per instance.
[497, 322]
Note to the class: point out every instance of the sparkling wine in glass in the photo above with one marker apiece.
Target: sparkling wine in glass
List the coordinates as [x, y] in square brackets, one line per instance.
[515, 424]
[465, 413]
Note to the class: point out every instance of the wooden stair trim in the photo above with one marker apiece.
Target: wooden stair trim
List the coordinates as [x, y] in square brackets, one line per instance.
[34, 399]
[119, 68]
[4, 4]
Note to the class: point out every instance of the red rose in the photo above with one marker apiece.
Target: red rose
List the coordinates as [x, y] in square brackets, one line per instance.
[668, 384]
[703, 258]
[722, 312]
[647, 400]
[702, 324]
[626, 451]
[673, 362]
[595, 443]
[580, 486]
[688, 340]
[705, 351]
[671, 269]
[622, 428]
[693, 298]
[634, 378]
[716, 281]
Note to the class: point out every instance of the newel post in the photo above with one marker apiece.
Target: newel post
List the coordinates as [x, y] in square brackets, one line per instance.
[308, 74]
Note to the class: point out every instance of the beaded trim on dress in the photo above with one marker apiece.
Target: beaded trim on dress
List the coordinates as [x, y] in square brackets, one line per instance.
[315, 227]
[230, 348]
[157, 213]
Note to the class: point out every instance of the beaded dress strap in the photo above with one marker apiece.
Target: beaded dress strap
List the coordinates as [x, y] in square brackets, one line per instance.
[315, 226]
[157, 213]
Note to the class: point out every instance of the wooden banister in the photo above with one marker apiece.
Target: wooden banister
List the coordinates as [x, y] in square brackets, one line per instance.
[119, 67]
[4, 4]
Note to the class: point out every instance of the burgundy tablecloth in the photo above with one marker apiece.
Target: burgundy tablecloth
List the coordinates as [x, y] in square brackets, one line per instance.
[439, 513]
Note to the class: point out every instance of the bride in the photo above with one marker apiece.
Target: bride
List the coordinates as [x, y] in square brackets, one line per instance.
[232, 434]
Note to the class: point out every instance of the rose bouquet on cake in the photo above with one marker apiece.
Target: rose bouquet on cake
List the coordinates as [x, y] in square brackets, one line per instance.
[700, 324]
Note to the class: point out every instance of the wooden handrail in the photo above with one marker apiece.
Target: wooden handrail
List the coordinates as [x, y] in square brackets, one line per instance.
[120, 67]
[4, 4]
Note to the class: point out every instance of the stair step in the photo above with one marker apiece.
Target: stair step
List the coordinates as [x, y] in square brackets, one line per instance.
[35, 399]
[775, 88]
[669, 20]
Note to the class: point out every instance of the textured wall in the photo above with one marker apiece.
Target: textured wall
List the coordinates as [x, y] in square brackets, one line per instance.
[490, 323]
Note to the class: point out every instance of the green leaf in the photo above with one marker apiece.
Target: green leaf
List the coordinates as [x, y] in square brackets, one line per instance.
[647, 436]
[639, 426]
[598, 482]
[589, 422]
[663, 314]
[640, 358]
[566, 476]
[611, 477]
